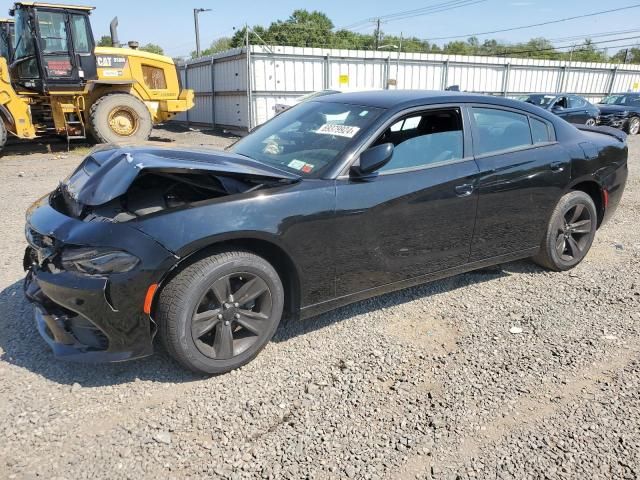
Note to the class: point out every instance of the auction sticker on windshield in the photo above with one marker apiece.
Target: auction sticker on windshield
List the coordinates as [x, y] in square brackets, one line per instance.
[300, 165]
[338, 130]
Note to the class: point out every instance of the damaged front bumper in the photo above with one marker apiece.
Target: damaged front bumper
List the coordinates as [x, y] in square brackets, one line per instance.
[90, 318]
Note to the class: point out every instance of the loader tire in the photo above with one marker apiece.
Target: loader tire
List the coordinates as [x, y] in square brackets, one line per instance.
[120, 118]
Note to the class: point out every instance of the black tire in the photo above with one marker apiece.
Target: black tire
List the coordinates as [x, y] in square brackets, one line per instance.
[633, 126]
[570, 233]
[119, 117]
[194, 324]
[591, 122]
[3, 135]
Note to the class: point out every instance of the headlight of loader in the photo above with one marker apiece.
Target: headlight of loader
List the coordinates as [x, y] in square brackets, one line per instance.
[98, 260]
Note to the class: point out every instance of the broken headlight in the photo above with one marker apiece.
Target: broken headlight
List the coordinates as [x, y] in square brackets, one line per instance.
[98, 260]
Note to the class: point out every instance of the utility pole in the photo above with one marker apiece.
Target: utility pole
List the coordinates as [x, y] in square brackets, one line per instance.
[626, 56]
[196, 11]
[377, 33]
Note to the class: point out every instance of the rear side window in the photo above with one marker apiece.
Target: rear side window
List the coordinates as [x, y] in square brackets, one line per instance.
[500, 130]
[425, 138]
[540, 131]
[153, 77]
[577, 102]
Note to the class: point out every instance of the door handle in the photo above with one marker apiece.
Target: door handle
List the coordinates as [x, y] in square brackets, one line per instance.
[556, 167]
[464, 190]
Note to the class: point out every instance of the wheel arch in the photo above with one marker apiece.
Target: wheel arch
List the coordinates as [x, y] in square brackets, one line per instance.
[592, 188]
[265, 247]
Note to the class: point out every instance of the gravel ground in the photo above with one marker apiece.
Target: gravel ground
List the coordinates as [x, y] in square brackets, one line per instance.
[424, 383]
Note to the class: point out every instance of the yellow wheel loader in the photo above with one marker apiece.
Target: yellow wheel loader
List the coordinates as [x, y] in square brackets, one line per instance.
[56, 81]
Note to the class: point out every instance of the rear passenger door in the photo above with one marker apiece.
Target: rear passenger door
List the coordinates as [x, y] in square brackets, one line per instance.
[578, 110]
[523, 172]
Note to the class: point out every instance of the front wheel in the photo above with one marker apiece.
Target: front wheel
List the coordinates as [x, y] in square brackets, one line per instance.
[570, 232]
[219, 312]
[120, 117]
[634, 126]
[591, 122]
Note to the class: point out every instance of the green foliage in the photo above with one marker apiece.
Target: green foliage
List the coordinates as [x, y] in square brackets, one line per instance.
[152, 48]
[219, 45]
[315, 29]
[105, 41]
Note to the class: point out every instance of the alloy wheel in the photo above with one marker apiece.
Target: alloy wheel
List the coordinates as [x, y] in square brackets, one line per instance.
[232, 315]
[634, 126]
[573, 232]
[591, 122]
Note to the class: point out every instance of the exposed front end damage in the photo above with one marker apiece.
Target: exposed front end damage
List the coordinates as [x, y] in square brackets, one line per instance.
[89, 269]
[124, 184]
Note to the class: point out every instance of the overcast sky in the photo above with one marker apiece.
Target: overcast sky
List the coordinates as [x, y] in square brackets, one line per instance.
[170, 23]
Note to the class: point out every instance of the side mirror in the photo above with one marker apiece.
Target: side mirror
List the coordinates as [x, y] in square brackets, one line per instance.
[372, 159]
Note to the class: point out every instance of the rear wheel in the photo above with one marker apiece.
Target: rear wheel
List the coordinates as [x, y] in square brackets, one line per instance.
[591, 122]
[218, 313]
[570, 232]
[120, 117]
[633, 126]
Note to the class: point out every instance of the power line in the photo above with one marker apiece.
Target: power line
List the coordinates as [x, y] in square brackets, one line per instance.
[428, 10]
[549, 22]
[574, 47]
[593, 35]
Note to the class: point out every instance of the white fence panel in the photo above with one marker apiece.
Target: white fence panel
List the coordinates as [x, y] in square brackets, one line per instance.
[280, 74]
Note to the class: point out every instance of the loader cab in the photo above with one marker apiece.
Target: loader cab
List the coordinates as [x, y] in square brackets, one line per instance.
[6, 38]
[53, 47]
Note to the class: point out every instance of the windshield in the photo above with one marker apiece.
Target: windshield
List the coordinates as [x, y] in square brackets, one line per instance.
[621, 100]
[539, 100]
[312, 95]
[307, 140]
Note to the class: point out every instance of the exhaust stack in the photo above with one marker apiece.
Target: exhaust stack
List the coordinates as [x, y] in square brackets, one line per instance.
[113, 27]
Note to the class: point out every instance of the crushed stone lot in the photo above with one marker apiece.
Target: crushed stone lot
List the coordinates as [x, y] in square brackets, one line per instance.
[509, 372]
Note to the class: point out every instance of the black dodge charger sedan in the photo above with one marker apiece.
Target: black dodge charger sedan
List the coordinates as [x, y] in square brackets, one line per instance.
[572, 108]
[333, 201]
[621, 110]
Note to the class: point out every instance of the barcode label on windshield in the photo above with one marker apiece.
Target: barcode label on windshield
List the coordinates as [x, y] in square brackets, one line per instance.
[338, 130]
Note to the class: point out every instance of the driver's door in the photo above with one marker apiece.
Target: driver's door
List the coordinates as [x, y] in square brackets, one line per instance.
[417, 216]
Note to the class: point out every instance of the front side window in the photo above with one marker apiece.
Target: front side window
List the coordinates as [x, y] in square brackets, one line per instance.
[500, 130]
[561, 102]
[423, 139]
[307, 139]
[80, 36]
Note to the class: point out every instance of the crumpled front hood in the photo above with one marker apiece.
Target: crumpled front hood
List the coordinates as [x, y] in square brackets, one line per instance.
[607, 109]
[108, 172]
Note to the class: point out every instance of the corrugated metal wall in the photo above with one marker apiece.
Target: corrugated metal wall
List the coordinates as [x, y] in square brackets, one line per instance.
[279, 74]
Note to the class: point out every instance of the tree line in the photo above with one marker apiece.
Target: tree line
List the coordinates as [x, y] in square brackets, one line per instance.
[314, 29]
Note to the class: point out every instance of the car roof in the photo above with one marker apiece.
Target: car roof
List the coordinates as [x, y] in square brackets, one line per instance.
[399, 99]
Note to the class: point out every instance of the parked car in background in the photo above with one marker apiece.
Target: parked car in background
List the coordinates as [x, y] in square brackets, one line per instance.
[621, 110]
[281, 107]
[339, 199]
[572, 108]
